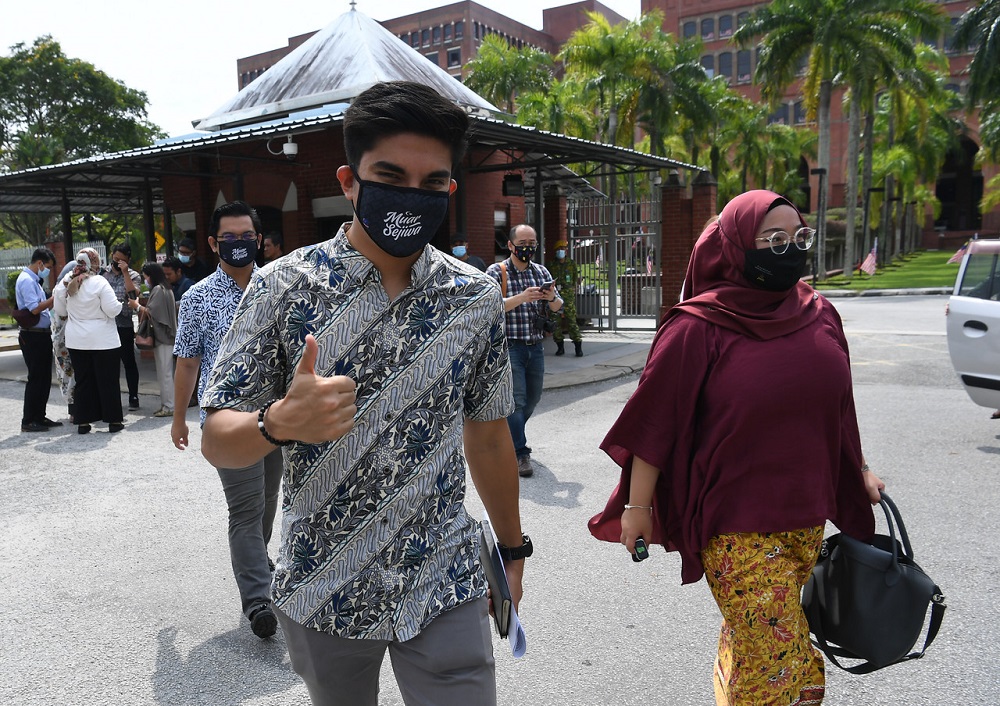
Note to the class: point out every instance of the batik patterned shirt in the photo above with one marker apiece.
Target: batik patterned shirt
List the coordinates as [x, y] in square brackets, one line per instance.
[376, 540]
[205, 314]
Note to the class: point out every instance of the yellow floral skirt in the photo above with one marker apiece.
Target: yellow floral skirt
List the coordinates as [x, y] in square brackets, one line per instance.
[765, 655]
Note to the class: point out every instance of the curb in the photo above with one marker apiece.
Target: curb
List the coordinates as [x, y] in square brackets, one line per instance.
[920, 291]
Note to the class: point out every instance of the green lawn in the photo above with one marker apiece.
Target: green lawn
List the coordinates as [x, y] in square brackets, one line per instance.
[926, 268]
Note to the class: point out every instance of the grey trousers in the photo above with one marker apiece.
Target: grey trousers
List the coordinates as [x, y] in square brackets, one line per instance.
[252, 497]
[450, 663]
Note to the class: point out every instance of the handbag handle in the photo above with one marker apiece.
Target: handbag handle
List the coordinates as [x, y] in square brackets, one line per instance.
[889, 506]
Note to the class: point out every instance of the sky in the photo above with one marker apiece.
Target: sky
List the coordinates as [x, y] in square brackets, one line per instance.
[183, 53]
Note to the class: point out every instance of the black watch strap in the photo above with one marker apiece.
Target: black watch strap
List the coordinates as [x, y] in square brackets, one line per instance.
[515, 553]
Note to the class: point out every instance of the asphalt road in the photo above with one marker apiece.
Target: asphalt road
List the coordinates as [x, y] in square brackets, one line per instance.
[118, 588]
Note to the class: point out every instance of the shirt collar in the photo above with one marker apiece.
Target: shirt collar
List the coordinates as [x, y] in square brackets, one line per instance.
[359, 267]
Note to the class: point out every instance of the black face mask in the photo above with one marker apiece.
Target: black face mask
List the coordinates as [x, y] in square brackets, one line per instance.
[773, 272]
[525, 253]
[398, 219]
[238, 254]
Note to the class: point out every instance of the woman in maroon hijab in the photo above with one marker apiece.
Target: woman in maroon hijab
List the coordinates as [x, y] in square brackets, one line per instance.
[741, 441]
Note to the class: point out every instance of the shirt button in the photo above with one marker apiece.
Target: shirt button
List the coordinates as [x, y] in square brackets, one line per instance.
[387, 470]
[385, 520]
[388, 416]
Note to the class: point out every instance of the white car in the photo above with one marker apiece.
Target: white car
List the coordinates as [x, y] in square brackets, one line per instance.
[973, 323]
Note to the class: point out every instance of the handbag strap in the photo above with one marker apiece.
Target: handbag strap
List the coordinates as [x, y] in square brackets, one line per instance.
[503, 279]
[889, 507]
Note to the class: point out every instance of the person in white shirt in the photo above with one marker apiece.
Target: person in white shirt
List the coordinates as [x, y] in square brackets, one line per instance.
[90, 305]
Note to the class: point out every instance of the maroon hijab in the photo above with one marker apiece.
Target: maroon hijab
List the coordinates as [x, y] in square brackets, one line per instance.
[716, 290]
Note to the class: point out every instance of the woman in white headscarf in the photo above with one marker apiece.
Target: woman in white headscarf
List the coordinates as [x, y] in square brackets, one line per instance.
[90, 306]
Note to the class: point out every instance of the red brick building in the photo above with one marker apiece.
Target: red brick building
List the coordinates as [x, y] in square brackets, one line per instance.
[959, 185]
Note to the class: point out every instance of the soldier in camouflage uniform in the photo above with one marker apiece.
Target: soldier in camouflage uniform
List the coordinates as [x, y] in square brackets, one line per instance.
[564, 272]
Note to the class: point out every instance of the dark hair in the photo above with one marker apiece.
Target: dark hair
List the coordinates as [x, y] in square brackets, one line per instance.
[459, 238]
[155, 273]
[43, 254]
[396, 107]
[174, 263]
[124, 248]
[189, 244]
[275, 239]
[233, 208]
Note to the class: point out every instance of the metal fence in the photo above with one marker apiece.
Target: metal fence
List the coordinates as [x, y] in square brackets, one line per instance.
[16, 259]
[623, 239]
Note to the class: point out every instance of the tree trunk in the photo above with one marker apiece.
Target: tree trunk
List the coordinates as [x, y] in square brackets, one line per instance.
[823, 116]
[866, 178]
[853, 144]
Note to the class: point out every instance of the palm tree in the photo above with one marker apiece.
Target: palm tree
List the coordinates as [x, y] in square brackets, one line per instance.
[501, 71]
[980, 27]
[614, 61]
[830, 36]
[563, 108]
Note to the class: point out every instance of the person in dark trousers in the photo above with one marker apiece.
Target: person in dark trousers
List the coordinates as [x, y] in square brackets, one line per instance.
[36, 341]
[378, 551]
[125, 283]
[526, 301]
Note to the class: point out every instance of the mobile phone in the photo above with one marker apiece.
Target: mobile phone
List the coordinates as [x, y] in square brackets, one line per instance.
[641, 552]
[548, 285]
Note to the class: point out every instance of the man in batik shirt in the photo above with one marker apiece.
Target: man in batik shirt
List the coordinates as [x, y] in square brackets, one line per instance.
[374, 359]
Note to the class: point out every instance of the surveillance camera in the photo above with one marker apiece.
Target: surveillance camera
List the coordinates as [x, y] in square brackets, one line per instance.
[290, 149]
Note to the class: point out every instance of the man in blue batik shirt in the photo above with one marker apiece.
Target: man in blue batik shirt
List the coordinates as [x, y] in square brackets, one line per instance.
[251, 489]
[374, 359]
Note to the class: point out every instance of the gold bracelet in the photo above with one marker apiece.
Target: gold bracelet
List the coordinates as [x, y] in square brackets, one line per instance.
[639, 507]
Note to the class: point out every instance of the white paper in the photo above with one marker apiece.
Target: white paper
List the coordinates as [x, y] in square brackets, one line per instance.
[518, 640]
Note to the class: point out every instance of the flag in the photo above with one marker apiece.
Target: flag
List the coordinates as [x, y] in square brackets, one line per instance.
[649, 263]
[957, 257]
[868, 266]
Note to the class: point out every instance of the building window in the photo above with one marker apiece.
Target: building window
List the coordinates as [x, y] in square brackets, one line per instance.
[454, 57]
[433, 57]
[425, 37]
[476, 30]
[447, 33]
[708, 63]
[949, 38]
[780, 115]
[800, 113]
[726, 65]
[726, 26]
[414, 39]
[743, 66]
[437, 35]
[690, 29]
[459, 30]
[741, 19]
[953, 87]
[708, 28]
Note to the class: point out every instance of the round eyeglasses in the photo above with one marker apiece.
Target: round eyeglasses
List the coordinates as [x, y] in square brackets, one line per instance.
[779, 240]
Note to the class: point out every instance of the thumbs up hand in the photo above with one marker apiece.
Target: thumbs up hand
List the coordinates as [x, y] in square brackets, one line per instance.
[316, 409]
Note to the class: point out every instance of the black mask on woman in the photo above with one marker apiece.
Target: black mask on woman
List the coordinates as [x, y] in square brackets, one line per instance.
[776, 273]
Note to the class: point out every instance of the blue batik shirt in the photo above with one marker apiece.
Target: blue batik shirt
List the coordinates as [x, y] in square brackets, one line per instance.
[206, 312]
[376, 541]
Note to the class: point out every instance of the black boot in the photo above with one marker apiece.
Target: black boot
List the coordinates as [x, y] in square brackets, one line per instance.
[559, 348]
[579, 348]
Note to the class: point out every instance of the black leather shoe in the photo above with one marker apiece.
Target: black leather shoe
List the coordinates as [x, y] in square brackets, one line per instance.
[133, 402]
[559, 348]
[49, 423]
[34, 426]
[262, 621]
[579, 349]
[83, 429]
[114, 427]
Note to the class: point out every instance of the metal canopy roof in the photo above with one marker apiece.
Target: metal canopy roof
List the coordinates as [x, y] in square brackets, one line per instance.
[118, 183]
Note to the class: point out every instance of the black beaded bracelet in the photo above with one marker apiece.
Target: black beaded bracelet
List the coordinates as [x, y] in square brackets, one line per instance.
[263, 431]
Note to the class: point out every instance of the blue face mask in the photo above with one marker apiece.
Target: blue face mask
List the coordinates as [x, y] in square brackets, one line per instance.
[458, 251]
[184, 258]
[560, 254]
[400, 220]
[43, 273]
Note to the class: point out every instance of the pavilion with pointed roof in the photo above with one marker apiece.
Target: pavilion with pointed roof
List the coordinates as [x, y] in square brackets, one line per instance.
[242, 150]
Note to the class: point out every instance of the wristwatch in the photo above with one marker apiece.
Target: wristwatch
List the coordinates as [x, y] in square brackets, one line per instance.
[515, 553]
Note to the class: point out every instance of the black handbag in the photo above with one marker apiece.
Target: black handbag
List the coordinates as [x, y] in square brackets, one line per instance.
[869, 601]
[25, 318]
